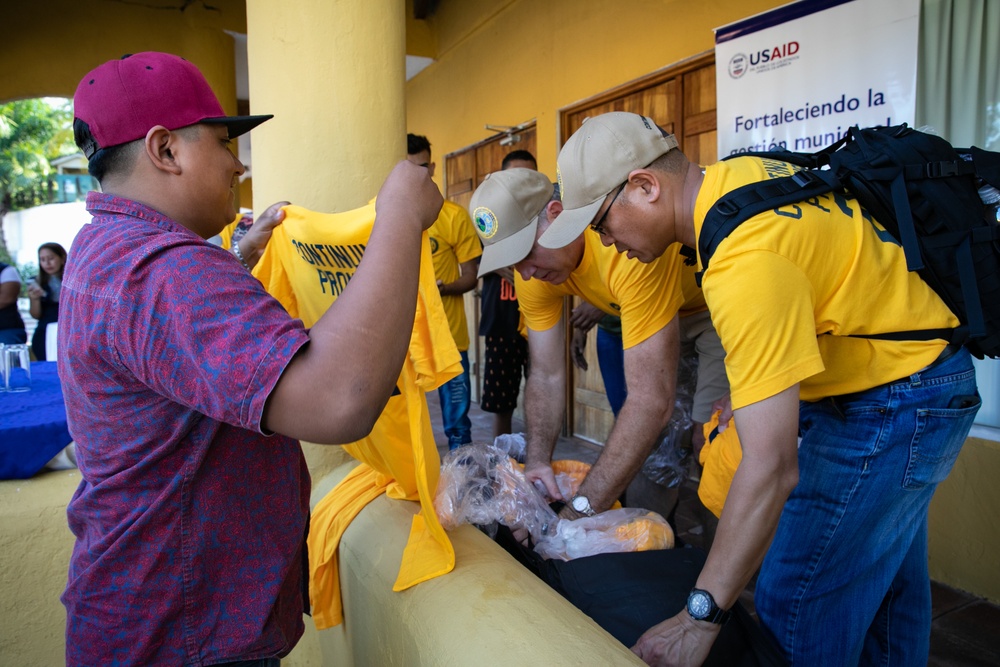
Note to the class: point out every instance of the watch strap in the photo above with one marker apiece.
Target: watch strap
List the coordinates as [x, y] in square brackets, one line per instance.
[715, 614]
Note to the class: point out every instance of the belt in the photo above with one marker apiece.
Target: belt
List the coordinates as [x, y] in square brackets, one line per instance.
[947, 353]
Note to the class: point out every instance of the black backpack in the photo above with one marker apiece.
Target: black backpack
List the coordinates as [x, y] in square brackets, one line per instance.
[924, 192]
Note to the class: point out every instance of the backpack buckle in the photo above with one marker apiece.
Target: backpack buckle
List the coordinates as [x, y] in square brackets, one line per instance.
[941, 169]
[727, 207]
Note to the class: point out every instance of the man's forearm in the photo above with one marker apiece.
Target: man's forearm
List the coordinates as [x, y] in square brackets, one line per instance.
[632, 438]
[765, 478]
[465, 283]
[544, 409]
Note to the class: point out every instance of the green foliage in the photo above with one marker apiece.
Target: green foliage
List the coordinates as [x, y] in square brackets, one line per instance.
[31, 133]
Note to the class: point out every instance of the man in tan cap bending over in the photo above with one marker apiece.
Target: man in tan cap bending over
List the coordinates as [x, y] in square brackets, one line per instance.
[510, 210]
[842, 516]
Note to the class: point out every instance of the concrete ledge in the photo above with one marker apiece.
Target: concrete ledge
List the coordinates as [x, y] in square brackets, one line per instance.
[488, 607]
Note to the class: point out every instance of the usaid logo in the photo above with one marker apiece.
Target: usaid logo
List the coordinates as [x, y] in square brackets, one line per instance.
[738, 65]
[764, 60]
[774, 53]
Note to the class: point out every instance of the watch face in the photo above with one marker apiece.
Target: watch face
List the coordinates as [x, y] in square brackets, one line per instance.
[699, 605]
[580, 504]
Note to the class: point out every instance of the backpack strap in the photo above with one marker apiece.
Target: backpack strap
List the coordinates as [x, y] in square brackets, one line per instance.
[956, 336]
[745, 202]
[752, 199]
[987, 165]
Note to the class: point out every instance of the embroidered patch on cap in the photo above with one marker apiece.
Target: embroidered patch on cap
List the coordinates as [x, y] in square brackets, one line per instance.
[486, 222]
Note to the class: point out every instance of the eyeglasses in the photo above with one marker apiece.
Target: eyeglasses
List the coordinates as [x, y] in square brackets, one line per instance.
[599, 225]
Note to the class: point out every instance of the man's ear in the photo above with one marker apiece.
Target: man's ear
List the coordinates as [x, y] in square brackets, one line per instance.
[553, 208]
[160, 144]
[648, 182]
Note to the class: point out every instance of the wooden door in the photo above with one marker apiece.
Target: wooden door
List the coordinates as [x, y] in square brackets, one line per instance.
[464, 171]
[681, 100]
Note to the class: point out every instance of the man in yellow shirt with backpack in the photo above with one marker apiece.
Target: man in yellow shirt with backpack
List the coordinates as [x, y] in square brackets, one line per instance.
[838, 523]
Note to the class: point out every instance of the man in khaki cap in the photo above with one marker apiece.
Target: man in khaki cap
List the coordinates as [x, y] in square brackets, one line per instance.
[842, 515]
[510, 210]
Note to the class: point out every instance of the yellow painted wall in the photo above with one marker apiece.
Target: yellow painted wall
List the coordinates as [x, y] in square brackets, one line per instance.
[420, 38]
[503, 62]
[506, 62]
[965, 522]
[49, 45]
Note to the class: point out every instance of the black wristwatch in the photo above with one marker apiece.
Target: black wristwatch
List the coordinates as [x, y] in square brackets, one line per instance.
[701, 607]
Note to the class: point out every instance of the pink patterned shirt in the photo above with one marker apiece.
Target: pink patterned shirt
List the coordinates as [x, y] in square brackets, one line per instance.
[189, 521]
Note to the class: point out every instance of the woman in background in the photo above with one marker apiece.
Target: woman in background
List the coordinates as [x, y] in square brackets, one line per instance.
[44, 293]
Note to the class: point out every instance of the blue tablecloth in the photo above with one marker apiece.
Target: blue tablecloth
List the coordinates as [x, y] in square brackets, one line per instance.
[32, 424]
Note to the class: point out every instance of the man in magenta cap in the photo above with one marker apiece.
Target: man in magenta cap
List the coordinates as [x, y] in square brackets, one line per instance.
[187, 385]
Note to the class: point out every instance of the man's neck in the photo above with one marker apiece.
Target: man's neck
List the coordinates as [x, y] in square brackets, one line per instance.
[684, 219]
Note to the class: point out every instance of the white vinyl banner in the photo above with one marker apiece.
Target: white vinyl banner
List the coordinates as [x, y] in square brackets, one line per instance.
[798, 76]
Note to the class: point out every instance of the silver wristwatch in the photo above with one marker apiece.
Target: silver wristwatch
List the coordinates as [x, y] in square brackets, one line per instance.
[582, 505]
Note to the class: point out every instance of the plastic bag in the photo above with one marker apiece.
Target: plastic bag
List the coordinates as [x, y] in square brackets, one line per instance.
[480, 484]
[668, 464]
[626, 529]
[512, 443]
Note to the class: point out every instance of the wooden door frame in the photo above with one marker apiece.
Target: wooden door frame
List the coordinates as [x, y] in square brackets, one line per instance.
[526, 125]
[469, 186]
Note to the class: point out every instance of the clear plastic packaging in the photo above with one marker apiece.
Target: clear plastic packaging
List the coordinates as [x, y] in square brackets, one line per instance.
[668, 464]
[626, 529]
[482, 485]
[514, 444]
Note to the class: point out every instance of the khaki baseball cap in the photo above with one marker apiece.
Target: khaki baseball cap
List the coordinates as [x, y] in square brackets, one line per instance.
[505, 210]
[596, 160]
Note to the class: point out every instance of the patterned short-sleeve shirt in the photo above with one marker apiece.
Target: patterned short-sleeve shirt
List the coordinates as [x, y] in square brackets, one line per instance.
[189, 521]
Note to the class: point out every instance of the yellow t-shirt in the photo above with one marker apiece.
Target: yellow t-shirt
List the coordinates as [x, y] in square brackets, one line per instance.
[720, 457]
[308, 262]
[454, 242]
[786, 278]
[645, 296]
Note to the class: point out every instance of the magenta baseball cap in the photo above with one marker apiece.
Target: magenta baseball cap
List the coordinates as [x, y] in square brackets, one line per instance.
[122, 99]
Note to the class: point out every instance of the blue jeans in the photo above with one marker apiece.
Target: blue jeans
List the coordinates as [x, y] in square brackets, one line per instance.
[845, 581]
[611, 359]
[455, 395]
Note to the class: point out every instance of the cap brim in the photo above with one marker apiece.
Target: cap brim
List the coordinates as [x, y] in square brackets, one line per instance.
[509, 251]
[238, 125]
[569, 225]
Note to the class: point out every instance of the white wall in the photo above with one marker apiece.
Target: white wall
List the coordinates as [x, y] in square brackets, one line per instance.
[28, 229]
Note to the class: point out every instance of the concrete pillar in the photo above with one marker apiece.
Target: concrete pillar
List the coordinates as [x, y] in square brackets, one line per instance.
[333, 74]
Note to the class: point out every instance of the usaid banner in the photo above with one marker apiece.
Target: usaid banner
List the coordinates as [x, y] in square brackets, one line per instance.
[798, 76]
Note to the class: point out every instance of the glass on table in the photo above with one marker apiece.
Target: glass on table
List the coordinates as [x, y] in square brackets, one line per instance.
[17, 368]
